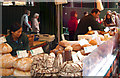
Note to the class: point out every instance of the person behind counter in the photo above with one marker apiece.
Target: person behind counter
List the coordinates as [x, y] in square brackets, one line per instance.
[72, 25]
[17, 39]
[89, 20]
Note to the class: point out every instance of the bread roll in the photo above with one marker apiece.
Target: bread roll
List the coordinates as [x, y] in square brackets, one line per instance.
[6, 72]
[76, 47]
[93, 42]
[7, 60]
[64, 43]
[21, 73]
[58, 47]
[23, 64]
[5, 48]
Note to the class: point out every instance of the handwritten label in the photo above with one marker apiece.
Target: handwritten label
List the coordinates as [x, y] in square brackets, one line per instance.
[36, 51]
[22, 53]
[90, 48]
[83, 42]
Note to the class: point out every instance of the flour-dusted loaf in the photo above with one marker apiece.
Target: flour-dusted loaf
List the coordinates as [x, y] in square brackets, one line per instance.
[64, 43]
[21, 73]
[76, 47]
[7, 60]
[5, 48]
[50, 60]
[23, 64]
[6, 72]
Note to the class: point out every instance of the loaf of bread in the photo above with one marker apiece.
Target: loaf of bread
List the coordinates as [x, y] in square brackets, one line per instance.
[50, 61]
[64, 43]
[21, 73]
[76, 47]
[6, 72]
[5, 48]
[68, 48]
[58, 61]
[23, 64]
[70, 67]
[7, 60]
[93, 42]
[58, 47]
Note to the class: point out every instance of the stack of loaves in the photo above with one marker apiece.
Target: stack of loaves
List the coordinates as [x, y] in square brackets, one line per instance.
[6, 60]
[43, 65]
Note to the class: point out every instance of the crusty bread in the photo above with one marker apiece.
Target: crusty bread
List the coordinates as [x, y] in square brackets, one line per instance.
[23, 64]
[21, 73]
[64, 43]
[7, 60]
[6, 72]
[5, 48]
[76, 47]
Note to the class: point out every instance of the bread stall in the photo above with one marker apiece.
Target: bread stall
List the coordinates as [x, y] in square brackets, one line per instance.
[89, 56]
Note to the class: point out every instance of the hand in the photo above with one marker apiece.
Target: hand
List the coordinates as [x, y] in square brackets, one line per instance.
[39, 22]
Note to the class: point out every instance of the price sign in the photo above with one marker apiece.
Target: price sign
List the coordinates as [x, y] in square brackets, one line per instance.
[36, 51]
[22, 53]
[90, 48]
[83, 42]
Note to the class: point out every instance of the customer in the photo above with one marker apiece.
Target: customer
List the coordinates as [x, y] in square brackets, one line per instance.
[108, 21]
[24, 22]
[72, 25]
[87, 21]
[35, 24]
[17, 39]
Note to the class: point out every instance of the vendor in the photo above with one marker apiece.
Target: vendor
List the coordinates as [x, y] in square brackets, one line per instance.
[89, 21]
[17, 39]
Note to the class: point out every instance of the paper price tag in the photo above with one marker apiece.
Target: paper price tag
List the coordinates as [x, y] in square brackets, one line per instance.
[22, 53]
[83, 42]
[36, 51]
[89, 49]
[75, 58]
[106, 29]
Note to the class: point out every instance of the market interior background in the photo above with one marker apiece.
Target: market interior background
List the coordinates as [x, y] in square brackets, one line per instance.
[48, 14]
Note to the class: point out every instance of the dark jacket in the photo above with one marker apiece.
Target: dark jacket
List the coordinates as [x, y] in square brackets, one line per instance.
[21, 44]
[87, 21]
[72, 24]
